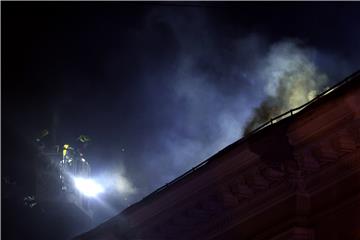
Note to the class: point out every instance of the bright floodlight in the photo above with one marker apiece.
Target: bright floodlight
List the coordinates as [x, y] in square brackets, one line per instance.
[88, 187]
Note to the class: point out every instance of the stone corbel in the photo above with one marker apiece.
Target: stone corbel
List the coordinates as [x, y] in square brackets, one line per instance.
[344, 142]
[226, 197]
[307, 162]
[240, 189]
[325, 152]
[258, 181]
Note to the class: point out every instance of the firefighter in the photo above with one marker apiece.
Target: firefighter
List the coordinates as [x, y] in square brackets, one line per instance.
[83, 142]
[68, 153]
[84, 138]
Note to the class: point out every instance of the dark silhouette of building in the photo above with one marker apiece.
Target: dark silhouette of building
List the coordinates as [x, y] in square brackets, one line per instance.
[297, 177]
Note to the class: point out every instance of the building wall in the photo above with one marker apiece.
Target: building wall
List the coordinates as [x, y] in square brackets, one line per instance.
[297, 179]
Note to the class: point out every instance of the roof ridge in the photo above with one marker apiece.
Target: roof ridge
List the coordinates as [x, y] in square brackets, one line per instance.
[270, 122]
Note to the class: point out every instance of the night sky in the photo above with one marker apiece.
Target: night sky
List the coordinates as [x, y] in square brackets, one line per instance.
[160, 87]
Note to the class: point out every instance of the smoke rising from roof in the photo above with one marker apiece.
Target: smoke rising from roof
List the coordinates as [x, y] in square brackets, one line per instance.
[291, 79]
[169, 85]
[214, 88]
[177, 88]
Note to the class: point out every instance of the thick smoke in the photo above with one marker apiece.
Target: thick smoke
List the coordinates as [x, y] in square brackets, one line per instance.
[291, 79]
[160, 88]
[213, 87]
[198, 92]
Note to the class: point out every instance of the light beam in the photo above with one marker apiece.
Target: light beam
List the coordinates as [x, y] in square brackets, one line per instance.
[88, 186]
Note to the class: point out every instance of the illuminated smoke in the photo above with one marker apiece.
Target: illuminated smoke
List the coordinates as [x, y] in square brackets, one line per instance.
[200, 90]
[115, 182]
[211, 88]
[291, 79]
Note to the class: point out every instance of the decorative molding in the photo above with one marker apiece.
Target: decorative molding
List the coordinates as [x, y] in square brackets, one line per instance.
[241, 185]
[296, 233]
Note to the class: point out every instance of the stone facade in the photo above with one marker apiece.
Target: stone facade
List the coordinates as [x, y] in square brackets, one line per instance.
[296, 179]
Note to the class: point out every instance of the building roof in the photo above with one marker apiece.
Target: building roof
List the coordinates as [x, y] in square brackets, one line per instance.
[333, 92]
[329, 93]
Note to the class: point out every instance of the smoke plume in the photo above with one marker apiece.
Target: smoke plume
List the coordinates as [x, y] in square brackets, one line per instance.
[291, 79]
[204, 89]
[180, 86]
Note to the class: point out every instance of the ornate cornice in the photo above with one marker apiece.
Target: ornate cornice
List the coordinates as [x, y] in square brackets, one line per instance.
[274, 177]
